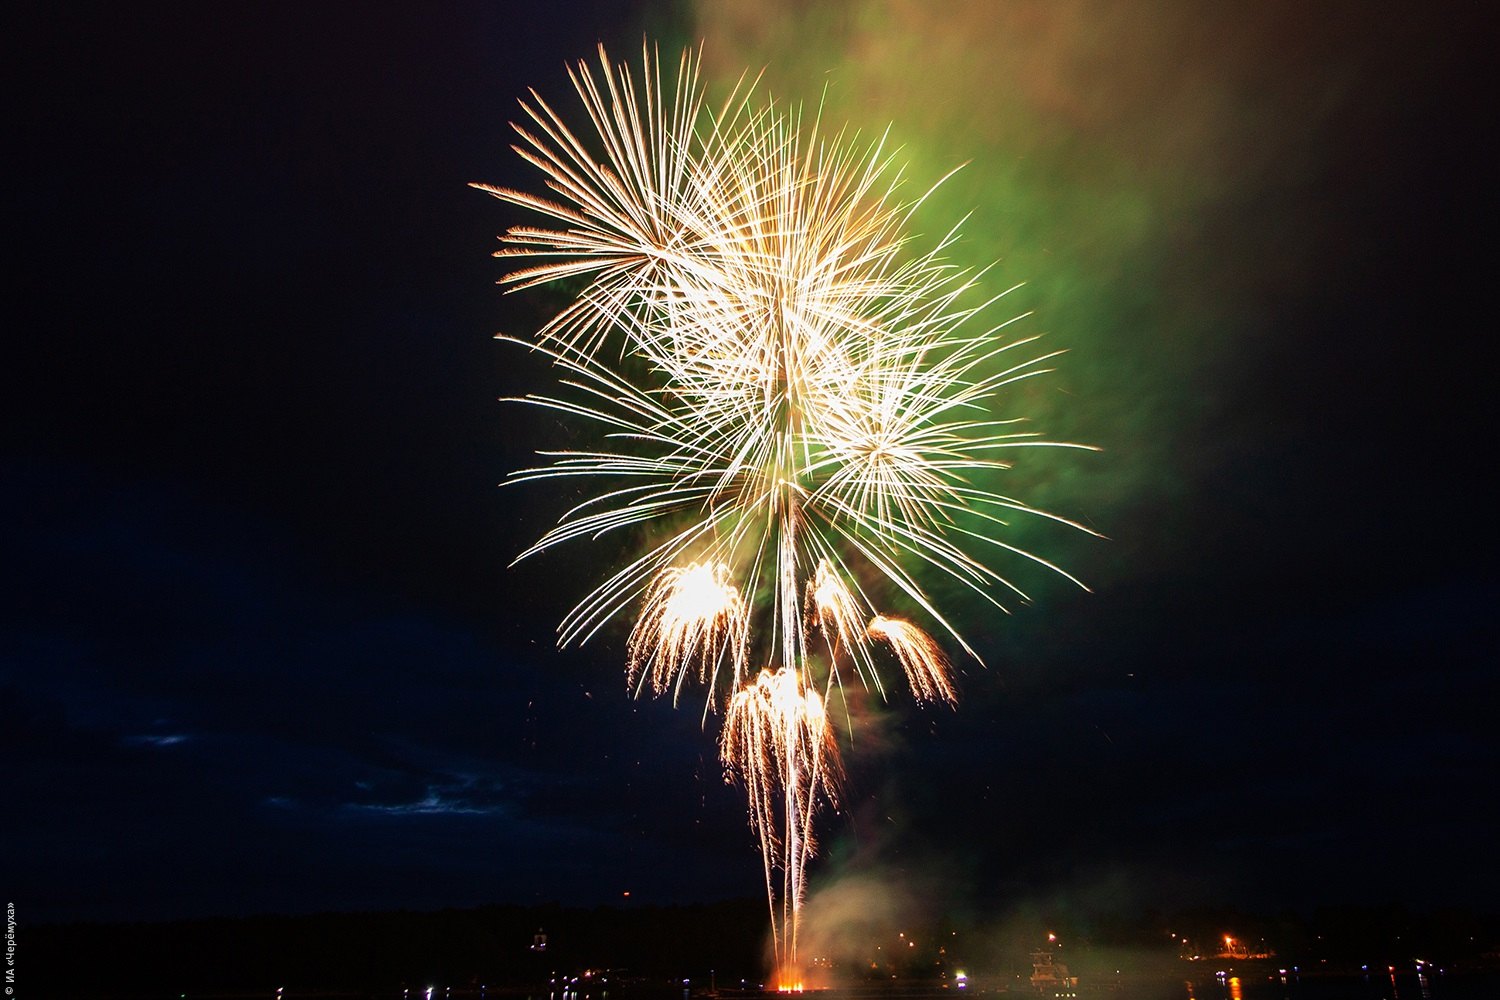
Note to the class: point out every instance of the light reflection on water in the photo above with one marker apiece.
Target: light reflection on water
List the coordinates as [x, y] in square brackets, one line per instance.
[1374, 986]
[1394, 986]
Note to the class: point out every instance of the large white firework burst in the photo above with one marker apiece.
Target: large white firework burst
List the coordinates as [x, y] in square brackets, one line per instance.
[790, 394]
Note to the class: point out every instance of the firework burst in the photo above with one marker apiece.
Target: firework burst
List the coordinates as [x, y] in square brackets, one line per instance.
[789, 393]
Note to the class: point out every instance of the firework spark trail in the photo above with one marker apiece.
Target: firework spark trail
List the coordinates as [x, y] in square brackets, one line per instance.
[786, 395]
[920, 656]
[776, 730]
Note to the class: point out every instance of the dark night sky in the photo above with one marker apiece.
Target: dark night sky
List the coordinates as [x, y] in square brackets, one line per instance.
[261, 651]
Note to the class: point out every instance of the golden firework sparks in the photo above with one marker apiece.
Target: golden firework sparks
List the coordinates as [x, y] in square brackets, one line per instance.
[777, 738]
[920, 656]
[691, 616]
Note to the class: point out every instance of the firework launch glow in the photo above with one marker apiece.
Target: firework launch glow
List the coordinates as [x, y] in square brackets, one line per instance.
[789, 394]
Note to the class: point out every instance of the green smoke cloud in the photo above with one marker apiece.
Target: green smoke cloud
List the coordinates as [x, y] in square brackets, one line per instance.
[1137, 165]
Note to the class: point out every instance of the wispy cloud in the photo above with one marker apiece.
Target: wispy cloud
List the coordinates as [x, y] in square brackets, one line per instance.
[156, 740]
[435, 803]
